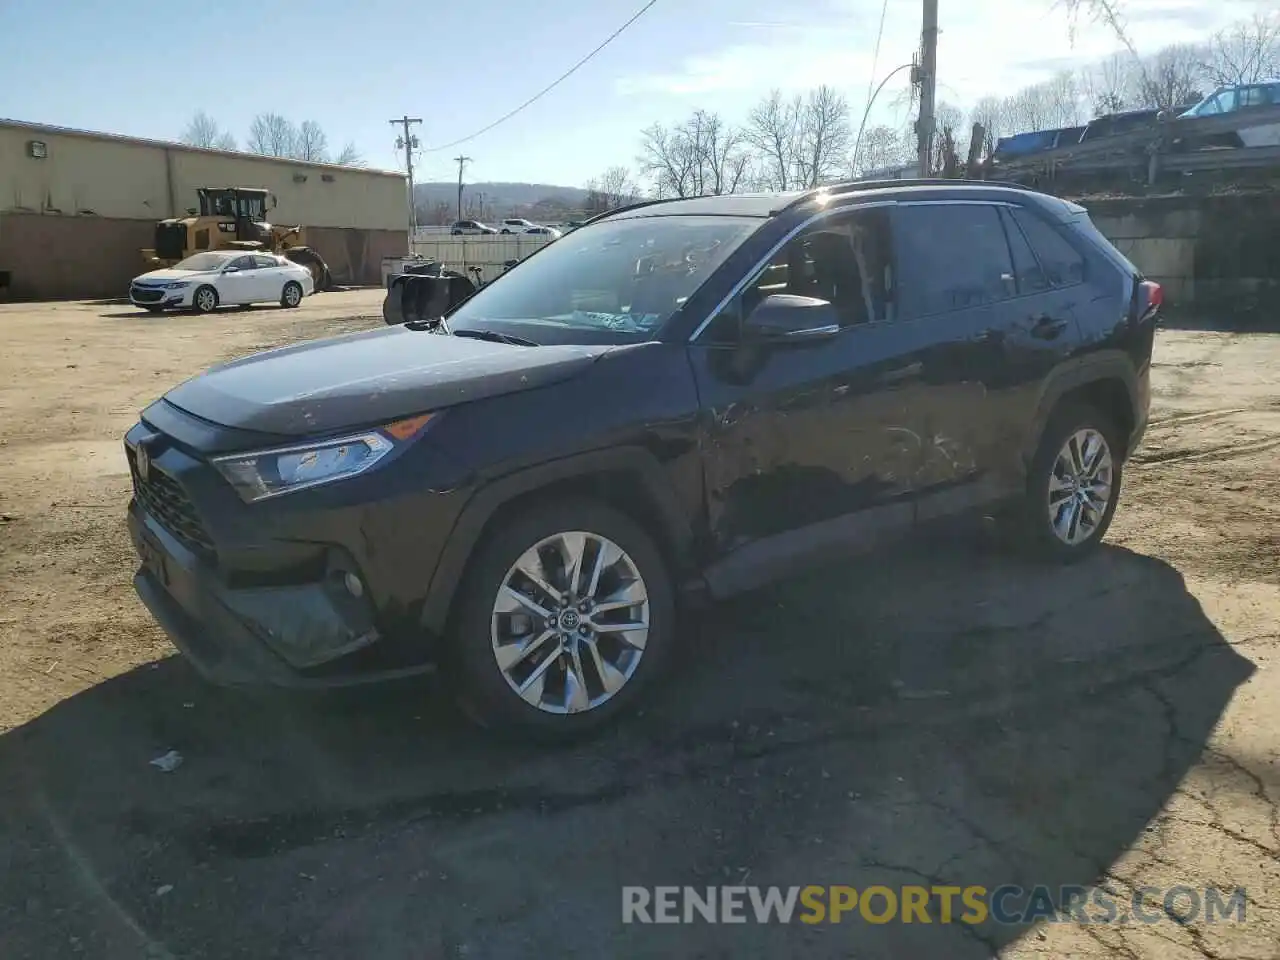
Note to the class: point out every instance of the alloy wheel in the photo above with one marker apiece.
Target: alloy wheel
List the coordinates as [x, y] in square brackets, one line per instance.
[1080, 486]
[570, 622]
[205, 300]
[292, 295]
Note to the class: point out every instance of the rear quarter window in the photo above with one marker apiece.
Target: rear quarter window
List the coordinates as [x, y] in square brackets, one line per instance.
[1062, 263]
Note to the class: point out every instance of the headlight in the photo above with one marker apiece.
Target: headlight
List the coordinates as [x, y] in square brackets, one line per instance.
[269, 473]
[177, 284]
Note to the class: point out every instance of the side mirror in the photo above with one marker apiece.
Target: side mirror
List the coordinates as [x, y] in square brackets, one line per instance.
[230, 269]
[273, 201]
[784, 318]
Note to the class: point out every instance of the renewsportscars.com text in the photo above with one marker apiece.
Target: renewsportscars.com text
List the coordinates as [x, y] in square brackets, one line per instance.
[973, 905]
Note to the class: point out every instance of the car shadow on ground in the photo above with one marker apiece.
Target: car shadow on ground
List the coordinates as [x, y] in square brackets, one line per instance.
[943, 716]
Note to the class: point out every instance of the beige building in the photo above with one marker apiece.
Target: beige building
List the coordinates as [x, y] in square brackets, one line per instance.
[76, 208]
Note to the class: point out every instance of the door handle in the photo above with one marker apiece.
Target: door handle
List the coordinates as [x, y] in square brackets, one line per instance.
[1046, 327]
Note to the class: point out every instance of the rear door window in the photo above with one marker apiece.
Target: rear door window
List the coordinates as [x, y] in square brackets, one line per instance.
[1027, 271]
[951, 257]
[1063, 265]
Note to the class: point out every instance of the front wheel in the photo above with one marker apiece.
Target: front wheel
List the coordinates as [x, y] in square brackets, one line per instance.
[205, 300]
[291, 296]
[1073, 485]
[566, 613]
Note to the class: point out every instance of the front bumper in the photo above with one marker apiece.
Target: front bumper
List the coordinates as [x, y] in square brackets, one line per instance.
[153, 297]
[258, 594]
[274, 635]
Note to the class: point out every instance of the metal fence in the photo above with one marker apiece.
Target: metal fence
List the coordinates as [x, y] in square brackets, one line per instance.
[489, 253]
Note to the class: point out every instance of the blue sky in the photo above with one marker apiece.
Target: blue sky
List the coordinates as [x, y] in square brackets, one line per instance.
[138, 68]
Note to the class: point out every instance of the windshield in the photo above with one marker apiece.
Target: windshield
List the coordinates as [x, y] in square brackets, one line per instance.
[202, 261]
[1222, 100]
[614, 281]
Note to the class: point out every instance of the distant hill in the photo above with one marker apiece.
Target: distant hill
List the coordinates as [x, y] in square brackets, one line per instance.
[493, 201]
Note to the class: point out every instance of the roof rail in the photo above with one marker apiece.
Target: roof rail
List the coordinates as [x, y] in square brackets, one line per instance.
[848, 186]
[630, 206]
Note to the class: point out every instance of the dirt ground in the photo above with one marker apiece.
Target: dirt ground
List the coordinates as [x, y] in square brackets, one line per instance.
[941, 715]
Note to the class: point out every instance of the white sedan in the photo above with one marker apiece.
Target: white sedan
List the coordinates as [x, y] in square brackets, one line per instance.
[205, 281]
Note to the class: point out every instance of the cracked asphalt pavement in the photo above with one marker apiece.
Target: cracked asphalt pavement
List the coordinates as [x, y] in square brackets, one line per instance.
[941, 714]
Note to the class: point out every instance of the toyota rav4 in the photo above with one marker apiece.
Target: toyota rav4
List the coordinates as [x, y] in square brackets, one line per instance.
[682, 399]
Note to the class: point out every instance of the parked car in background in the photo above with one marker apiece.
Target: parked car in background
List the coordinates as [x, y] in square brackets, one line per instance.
[1027, 144]
[470, 228]
[516, 225]
[205, 281]
[693, 398]
[1240, 99]
[1111, 124]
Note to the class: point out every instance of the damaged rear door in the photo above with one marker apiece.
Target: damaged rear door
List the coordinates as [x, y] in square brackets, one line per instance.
[958, 308]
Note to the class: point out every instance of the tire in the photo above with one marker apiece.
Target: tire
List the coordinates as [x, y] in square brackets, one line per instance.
[205, 299]
[486, 692]
[505, 232]
[291, 295]
[1031, 522]
[306, 257]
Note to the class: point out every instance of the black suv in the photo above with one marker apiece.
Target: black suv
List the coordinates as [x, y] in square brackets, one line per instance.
[682, 398]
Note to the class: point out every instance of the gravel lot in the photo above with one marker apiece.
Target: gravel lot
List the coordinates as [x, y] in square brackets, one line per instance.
[943, 715]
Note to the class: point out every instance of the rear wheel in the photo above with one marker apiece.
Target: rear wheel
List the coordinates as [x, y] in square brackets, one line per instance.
[205, 300]
[319, 270]
[1073, 486]
[291, 295]
[566, 614]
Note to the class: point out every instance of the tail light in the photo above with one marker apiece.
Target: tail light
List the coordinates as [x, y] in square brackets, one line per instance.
[1151, 299]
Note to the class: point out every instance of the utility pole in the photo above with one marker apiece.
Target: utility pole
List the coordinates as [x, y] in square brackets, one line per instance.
[927, 77]
[409, 143]
[462, 162]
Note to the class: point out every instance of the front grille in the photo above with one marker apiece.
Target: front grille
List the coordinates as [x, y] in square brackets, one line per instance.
[163, 498]
[171, 241]
[146, 294]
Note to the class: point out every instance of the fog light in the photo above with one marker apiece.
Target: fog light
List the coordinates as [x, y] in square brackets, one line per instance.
[353, 584]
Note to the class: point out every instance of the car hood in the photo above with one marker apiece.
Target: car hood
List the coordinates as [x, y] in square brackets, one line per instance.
[366, 378]
[168, 276]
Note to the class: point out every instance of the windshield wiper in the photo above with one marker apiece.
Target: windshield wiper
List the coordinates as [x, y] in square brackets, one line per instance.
[494, 337]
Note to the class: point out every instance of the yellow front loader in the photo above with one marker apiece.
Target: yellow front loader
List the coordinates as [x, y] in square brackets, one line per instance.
[233, 218]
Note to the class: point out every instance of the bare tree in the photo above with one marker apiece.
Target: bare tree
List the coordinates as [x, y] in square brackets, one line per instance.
[1246, 52]
[350, 156]
[1063, 94]
[1029, 109]
[704, 155]
[1173, 76]
[668, 159]
[617, 187]
[773, 131]
[883, 147]
[310, 143]
[951, 142]
[1110, 85]
[990, 112]
[825, 137]
[272, 135]
[204, 131]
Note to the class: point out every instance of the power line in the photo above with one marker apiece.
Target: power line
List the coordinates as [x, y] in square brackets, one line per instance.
[875, 57]
[551, 86]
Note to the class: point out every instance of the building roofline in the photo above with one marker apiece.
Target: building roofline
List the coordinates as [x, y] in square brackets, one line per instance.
[8, 122]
